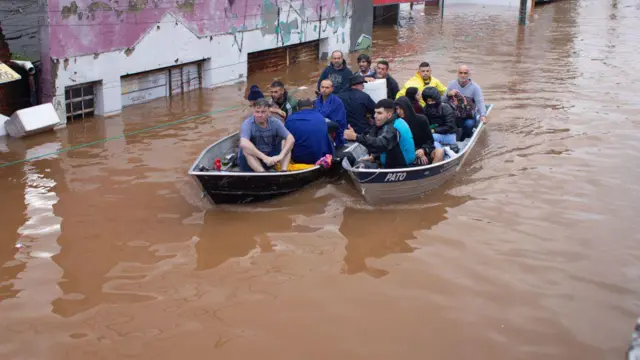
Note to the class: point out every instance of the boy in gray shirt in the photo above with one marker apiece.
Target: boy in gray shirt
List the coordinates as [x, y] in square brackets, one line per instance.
[261, 141]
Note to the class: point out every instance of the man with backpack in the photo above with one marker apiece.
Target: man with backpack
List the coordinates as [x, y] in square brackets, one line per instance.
[467, 101]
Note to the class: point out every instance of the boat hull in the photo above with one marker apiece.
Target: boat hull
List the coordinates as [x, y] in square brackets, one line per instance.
[236, 187]
[245, 188]
[402, 185]
[384, 186]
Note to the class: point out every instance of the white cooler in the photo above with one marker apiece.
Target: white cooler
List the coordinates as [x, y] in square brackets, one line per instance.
[32, 120]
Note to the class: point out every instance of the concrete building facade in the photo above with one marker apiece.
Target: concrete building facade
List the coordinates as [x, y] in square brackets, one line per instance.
[98, 56]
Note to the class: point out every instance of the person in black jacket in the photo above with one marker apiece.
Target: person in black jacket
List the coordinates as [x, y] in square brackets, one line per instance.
[441, 117]
[390, 141]
[359, 105]
[426, 152]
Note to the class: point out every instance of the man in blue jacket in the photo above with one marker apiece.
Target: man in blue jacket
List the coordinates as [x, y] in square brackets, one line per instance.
[332, 108]
[337, 72]
[310, 130]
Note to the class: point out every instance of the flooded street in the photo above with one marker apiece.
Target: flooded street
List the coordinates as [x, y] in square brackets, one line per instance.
[531, 252]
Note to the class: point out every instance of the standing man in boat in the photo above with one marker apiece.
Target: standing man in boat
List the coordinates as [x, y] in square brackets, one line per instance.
[264, 141]
[332, 108]
[390, 140]
[382, 72]
[285, 102]
[358, 104]
[463, 86]
[338, 72]
[310, 130]
[421, 80]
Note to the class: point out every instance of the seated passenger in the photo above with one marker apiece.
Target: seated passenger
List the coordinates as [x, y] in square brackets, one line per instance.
[412, 94]
[254, 94]
[310, 130]
[426, 152]
[390, 140]
[332, 108]
[421, 80]
[463, 86]
[441, 117]
[261, 141]
[286, 103]
[365, 70]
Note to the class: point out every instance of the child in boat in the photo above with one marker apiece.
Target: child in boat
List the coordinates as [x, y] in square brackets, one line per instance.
[390, 141]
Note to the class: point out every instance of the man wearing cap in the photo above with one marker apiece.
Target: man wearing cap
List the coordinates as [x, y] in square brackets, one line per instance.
[390, 141]
[310, 130]
[358, 104]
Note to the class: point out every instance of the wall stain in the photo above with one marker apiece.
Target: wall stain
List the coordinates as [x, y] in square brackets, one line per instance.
[269, 18]
[66, 63]
[129, 51]
[69, 10]
[137, 5]
[186, 5]
[287, 28]
[98, 6]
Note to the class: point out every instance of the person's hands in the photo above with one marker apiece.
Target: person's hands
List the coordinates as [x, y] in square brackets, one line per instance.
[350, 134]
[272, 160]
[484, 119]
[278, 112]
[421, 157]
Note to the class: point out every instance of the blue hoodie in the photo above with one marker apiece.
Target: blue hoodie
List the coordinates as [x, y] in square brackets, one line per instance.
[340, 78]
[310, 130]
[334, 110]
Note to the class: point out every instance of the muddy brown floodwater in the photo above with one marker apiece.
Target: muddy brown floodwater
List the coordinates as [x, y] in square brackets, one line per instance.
[531, 252]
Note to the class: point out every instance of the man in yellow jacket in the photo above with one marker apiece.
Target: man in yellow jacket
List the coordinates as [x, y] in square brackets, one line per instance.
[422, 79]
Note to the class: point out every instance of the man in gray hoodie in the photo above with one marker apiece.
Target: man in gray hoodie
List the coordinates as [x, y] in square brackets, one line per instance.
[471, 90]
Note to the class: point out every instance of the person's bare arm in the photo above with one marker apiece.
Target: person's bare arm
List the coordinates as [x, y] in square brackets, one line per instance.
[249, 149]
[286, 148]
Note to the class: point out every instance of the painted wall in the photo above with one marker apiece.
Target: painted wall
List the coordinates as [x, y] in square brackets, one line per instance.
[100, 44]
[81, 27]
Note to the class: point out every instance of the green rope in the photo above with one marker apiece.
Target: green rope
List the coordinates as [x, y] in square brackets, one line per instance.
[121, 136]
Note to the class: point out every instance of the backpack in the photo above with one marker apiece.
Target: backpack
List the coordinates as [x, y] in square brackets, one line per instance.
[463, 107]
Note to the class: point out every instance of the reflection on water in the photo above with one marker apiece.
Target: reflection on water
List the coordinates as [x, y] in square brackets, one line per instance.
[534, 242]
[393, 230]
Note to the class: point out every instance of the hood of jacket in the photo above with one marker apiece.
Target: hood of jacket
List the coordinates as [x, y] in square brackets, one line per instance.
[430, 92]
[407, 107]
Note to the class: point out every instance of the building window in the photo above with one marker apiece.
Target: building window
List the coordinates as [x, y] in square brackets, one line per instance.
[79, 100]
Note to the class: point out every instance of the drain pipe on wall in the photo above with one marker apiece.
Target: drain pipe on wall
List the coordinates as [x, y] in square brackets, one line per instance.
[28, 66]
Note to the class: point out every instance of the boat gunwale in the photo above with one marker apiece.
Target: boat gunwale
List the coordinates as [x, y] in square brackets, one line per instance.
[352, 171]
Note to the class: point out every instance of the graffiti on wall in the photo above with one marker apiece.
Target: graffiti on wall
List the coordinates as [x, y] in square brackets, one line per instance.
[81, 27]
